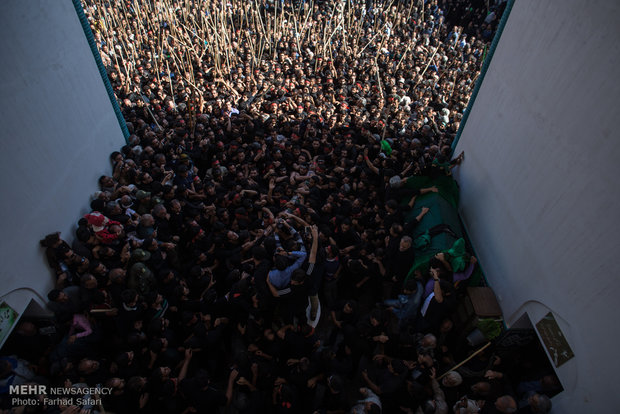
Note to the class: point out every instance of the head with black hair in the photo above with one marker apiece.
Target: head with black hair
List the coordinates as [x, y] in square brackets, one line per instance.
[129, 297]
[280, 262]
[55, 295]
[298, 277]
[332, 251]
[51, 240]
[411, 286]
[259, 253]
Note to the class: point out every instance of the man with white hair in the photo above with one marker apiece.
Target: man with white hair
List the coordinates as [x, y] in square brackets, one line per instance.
[466, 406]
[504, 404]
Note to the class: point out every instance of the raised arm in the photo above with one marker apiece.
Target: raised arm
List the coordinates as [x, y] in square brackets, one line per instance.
[442, 258]
[436, 286]
[272, 185]
[369, 163]
[432, 189]
[272, 288]
[188, 357]
[297, 219]
[315, 245]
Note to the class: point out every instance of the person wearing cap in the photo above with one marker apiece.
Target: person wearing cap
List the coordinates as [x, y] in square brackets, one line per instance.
[144, 202]
[141, 278]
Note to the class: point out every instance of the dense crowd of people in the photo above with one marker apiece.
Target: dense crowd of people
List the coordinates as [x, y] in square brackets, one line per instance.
[251, 250]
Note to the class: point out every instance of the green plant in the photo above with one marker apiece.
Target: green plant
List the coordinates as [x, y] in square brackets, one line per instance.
[490, 328]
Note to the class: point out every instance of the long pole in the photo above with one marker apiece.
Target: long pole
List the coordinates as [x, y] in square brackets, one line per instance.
[371, 40]
[428, 64]
[171, 88]
[466, 360]
[404, 54]
[146, 104]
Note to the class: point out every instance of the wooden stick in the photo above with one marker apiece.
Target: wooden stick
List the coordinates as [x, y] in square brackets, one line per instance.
[409, 12]
[147, 104]
[359, 30]
[325, 28]
[333, 33]
[297, 35]
[427, 65]
[101, 310]
[305, 27]
[275, 29]
[227, 45]
[171, 88]
[371, 40]
[349, 15]
[422, 14]
[404, 54]
[457, 366]
[379, 79]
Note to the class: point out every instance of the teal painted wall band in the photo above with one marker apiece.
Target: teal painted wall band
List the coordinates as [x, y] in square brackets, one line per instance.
[483, 71]
[104, 75]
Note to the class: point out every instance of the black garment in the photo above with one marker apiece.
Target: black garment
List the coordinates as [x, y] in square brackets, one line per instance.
[297, 302]
[175, 223]
[121, 218]
[342, 316]
[63, 311]
[296, 345]
[260, 279]
[157, 261]
[431, 320]
[126, 318]
[116, 403]
[201, 395]
[315, 197]
[90, 297]
[163, 228]
[402, 262]
[334, 401]
[116, 290]
[82, 248]
[346, 239]
[168, 289]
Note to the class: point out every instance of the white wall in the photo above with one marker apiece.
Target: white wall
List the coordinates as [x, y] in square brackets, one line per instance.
[57, 128]
[540, 184]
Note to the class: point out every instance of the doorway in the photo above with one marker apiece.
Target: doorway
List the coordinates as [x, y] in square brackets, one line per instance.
[532, 371]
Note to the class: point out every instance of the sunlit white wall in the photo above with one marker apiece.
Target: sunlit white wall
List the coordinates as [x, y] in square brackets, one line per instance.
[57, 128]
[540, 184]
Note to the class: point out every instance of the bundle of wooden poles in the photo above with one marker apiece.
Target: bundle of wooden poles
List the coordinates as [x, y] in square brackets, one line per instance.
[182, 35]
